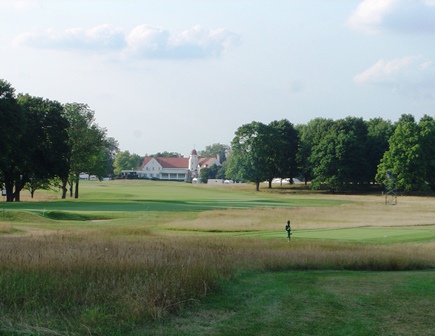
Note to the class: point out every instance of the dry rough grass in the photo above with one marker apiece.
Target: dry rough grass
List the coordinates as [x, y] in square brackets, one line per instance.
[363, 211]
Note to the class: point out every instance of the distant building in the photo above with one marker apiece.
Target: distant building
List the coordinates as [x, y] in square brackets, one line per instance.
[175, 169]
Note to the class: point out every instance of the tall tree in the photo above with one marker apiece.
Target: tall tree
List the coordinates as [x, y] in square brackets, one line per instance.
[339, 158]
[286, 151]
[86, 141]
[309, 136]
[378, 133]
[12, 123]
[250, 158]
[111, 149]
[405, 157]
[45, 140]
[427, 142]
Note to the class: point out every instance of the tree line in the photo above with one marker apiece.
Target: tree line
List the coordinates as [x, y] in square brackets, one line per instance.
[338, 155]
[334, 155]
[44, 143]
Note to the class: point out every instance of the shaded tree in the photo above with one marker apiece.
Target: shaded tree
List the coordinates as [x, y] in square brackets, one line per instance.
[214, 150]
[310, 135]
[126, 161]
[378, 133]
[86, 141]
[208, 173]
[45, 140]
[110, 150]
[12, 128]
[250, 158]
[427, 142]
[339, 158]
[404, 158]
[285, 151]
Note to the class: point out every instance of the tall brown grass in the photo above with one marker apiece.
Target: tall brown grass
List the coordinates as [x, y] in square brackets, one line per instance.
[93, 280]
[87, 280]
[363, 211]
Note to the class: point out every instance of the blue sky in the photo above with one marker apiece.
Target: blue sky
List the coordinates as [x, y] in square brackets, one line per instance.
[172, 75]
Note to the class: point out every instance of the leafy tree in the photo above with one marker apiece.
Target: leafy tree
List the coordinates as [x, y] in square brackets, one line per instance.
[404, 158]
[37, 184]
[214, 150]
[378, 133]
[354, 162]
[45, 140]
[286, 150]
[12, 123]
[110, 150]
[339, 158]
[310, 135]
[126, 161]
[250, 158]
[87, 143]
[326, 158]
[221, 173]
[208, 173]
[427, 143]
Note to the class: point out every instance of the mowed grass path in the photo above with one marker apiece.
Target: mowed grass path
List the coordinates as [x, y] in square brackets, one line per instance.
[314, 303]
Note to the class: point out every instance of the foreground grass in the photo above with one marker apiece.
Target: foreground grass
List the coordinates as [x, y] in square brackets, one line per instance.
[75, 285]
[313, 303]
[142, 258]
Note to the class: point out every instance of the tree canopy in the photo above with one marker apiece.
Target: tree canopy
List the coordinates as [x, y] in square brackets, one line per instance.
[126, 161]
[216, 150]
[60, 142]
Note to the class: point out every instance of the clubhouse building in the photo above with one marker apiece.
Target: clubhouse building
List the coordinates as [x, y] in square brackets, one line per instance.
[174, 169]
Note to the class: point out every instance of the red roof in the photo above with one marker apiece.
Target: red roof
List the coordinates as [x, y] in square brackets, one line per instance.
[178, 162]
[168, 162]
[173, 162]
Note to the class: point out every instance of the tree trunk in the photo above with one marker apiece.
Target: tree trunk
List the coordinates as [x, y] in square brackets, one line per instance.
[71, 185]
[76, 193]
[64, 188]
[9, 186]
[257, 186]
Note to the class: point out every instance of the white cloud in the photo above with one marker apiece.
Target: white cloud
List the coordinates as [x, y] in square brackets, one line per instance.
[369, 14]
[97, 39]
[196, 42]
[383, 70]
[411, 75]
[410, 16]
[142, 41]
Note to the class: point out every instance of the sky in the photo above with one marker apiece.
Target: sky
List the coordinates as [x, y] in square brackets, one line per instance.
[173, 75]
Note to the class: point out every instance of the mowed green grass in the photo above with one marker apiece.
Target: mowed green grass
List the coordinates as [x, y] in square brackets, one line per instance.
[150, 203]
[163, 196]
[381, 235]
[313, 303]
